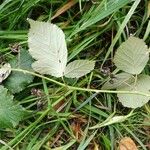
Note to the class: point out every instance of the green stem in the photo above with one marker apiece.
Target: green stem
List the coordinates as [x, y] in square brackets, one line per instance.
[81, 89]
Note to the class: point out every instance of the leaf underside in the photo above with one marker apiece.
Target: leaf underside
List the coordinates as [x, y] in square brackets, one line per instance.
[132, 56]
[79, 68]
[119, 80]
[47, 46]
[135, 100]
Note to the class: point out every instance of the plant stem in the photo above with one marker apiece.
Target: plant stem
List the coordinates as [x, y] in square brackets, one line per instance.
[81, 89]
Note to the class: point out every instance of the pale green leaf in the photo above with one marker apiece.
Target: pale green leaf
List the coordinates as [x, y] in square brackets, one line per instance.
[119, 80]
[47, 46]
[132, 56]
[135, 100]
[10, 113]
[79, 68]
[18, 81]
[112, 120]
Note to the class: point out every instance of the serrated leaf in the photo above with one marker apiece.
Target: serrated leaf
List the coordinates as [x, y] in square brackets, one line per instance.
[135, 100]
[132, 56]
[47, 45]
[17, 81]
[78, 68]
[119, 80]
[10, 113]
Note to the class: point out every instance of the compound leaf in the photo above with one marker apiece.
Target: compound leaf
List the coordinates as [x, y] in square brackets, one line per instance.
[47, 46]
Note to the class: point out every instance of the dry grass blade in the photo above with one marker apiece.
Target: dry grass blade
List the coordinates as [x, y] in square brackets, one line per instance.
[64, 8]
[148, 13]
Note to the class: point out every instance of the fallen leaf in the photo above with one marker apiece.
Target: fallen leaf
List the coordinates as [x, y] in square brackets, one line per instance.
[96, 146]
[56, 140]
[76, 126]
[127, 143]
[64, 8]
[146, 126]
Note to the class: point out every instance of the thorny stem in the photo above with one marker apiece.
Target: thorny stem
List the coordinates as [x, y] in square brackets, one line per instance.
[78, 88]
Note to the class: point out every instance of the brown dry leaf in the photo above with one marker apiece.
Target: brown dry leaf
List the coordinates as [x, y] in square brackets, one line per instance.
[80, 118]
[56, 140]
[127, 143]
[76, 128]
[96, 146]
[64, 8]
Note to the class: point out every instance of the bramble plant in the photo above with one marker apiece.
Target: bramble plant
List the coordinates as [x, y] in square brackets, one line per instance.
[131, 57]
[10, 113]
[47, 46]
[50, 53]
